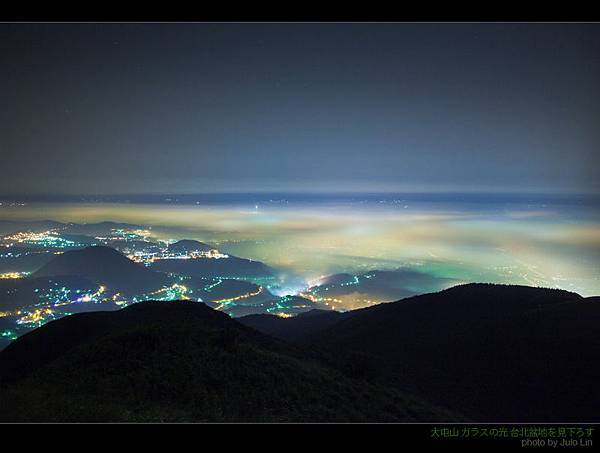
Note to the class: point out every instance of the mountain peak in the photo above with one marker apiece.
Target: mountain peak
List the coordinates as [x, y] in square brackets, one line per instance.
[104, 265]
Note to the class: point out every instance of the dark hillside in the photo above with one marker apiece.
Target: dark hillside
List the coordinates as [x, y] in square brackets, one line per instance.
[182, 361]
[493, 352]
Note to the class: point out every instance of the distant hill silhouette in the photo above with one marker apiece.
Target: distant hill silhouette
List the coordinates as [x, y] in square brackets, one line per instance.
[133, 245]
[24, 259]
[207, 267]
[217, 294]
[335, 279]
[493, 352]
[227, 288]
[291, 329]
[107, 266]
[182, 361]
[14, 226]
[189, 245]
[379, 286]
[99, 228]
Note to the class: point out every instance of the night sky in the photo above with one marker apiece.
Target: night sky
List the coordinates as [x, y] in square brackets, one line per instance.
[137, 108]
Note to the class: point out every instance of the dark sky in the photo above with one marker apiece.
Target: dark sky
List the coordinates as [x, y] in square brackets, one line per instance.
[118, 108]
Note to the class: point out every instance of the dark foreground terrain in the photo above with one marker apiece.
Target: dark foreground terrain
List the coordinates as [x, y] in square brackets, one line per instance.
[486, 352]
[182, 361]
[494, 353]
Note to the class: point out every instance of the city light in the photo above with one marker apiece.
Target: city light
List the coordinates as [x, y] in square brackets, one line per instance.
[10, 275]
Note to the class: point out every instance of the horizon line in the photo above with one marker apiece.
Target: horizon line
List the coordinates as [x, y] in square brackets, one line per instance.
[63, 196]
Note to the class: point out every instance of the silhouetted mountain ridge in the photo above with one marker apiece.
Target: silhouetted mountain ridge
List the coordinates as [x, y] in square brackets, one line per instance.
[210, 268]
[189, 245]
[494, 352]
[104, 265]
[295, 328]
[182, 361]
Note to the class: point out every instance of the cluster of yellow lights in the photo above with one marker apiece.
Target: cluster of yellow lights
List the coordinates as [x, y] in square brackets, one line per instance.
[35, 316]
[314, 298]
[224, 302]
[308, 296]
[14, 275]
[23, 236]
[331, 299]
[180, 287]
[90, 297]
[243, 296]
[139, 258]
[283, 315]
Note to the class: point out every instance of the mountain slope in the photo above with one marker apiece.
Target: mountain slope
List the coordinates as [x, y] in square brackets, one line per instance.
[182, 361]
[295, 328]
[493, 352]
[104, 265]
[189, 245]
[206, 267]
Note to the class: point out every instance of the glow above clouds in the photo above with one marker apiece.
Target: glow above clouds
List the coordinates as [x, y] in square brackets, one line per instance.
[527, 246]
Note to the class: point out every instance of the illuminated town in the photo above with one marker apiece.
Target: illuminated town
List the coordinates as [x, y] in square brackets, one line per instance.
[196, 271]
[50, 239]
[314, 222]
[40, 300]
